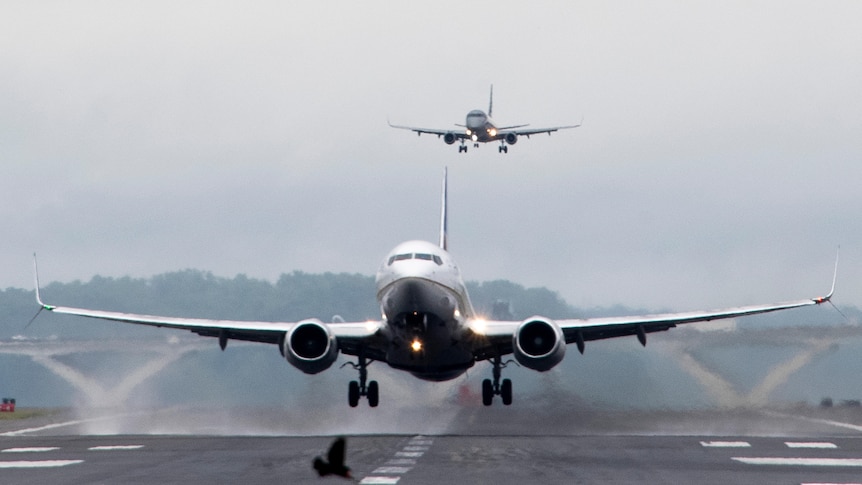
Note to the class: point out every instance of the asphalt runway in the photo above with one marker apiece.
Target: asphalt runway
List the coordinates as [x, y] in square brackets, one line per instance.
[494, 446]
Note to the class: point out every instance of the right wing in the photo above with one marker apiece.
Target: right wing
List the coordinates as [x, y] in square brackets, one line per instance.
[459, 134]
[349, 335]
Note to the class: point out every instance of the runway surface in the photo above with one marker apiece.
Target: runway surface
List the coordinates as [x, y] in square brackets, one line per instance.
[472, 445]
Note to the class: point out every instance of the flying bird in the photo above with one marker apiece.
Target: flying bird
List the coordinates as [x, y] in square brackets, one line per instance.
[335, 465]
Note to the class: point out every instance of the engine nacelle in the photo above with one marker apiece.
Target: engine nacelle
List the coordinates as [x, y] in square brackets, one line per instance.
[511, 138]
[539, 344]
[310, 347]
[450, 138]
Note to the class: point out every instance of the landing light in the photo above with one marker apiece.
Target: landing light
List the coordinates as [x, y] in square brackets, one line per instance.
[492, 132]
[469, 132]
[475, 137]
[416, 345]
[479, 327]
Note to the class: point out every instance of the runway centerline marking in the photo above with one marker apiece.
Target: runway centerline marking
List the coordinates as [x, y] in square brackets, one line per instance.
[115, 447]
[379, 480]
[34, 449]
[725, 444]
[392, 470]
[39, 464]
[811, 445]
[849, 462]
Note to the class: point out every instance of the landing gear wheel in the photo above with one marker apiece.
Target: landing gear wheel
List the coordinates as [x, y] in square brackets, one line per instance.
[506, 392]
[487, 392]
[462, 148]
[374, 394]
[353, 394]
[504, 149]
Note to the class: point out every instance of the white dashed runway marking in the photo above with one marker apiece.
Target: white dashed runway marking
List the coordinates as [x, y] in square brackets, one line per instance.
[403, 462]
[39, 464]
[852, 462]
[725, 444]
[34, 449]
[811, 445]
[115, 447]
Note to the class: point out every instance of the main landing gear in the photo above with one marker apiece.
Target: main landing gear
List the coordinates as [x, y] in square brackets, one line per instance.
[462, 148]
[359, 389]
[504, 148]
[491, 389]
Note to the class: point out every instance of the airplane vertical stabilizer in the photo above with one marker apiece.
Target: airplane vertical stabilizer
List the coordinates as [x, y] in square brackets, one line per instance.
[444, 237]
[491, 103]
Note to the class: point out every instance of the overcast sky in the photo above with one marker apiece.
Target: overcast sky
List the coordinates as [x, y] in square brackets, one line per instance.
[719, 163]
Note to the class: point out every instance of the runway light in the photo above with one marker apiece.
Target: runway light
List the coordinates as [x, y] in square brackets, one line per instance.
[416, 345]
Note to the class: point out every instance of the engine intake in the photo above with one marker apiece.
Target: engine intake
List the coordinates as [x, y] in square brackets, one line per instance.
[450, 138]
[511, 138]
[310, 347]
[539, 344]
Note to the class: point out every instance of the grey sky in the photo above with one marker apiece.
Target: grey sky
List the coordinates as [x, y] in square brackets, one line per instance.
[718, 164]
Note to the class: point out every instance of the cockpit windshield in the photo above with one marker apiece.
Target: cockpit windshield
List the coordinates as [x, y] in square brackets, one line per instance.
[421, 256]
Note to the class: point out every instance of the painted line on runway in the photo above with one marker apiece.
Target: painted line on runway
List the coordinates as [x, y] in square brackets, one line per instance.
[39, 464]
[34, 449]
[115, 447]
[379, 480]
[830, 483]
[402, 463]
[811, 445]
[854, 427]
[852, 462]
[725, 444]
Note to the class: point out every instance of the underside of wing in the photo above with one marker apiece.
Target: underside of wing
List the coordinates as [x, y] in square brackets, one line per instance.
[535, 131]
[458, 133]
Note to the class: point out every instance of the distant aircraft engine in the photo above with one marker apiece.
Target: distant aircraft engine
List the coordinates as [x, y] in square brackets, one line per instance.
[539, 344]
[511, 138]
[310, 347]
[450, 138]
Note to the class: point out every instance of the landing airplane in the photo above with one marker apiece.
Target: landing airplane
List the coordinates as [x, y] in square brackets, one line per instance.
[428, 326]
[480, 128]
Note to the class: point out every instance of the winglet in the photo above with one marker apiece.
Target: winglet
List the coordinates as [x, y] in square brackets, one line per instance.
[828, 297]
[444, 230]
[38, 288]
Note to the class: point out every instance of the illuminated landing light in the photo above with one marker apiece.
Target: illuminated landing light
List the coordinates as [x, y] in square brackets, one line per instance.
[479, 327]
[469, 132]
[416, 345]
[492, 132]
[475, 138]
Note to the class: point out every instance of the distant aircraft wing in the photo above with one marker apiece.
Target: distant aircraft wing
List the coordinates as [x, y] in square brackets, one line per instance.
[349, 335]
[459, 134]
[499, 334]
[517, 130]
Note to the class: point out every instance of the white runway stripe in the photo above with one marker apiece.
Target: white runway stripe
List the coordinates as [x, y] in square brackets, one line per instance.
[391, 470]
[379, 480]
[725, 444]
[115, 447]
[38, 464]
[850, 462]
[812, 445]
[31, 450]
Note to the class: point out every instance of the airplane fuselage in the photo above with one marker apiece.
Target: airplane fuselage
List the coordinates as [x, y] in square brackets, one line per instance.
[480, 127]
[424, 303]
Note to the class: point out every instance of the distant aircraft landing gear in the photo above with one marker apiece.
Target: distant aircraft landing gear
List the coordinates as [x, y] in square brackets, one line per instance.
[493, 388]
[504, 148]
[359, 389]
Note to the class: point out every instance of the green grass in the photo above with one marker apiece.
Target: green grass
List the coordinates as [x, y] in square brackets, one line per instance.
[26, 413]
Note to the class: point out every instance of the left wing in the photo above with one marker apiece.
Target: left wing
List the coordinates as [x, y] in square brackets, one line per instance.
[498, 335]
[502, 132]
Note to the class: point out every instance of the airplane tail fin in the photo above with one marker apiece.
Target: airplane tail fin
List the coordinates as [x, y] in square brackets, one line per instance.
[444, 230]
[491, 103]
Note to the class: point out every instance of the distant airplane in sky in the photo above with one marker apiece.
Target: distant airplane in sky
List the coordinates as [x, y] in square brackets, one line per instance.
[480, 128]
[428, 326]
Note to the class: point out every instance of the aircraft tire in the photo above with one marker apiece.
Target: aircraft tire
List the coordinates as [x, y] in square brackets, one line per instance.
[373, 394]
[506, 392]
[353, 394]
[487, 392]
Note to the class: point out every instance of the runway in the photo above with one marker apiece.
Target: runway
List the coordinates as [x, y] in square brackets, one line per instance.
[482, 446]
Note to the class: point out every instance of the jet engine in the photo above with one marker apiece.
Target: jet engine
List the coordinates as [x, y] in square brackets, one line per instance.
[450, 138]
[511, 138]
[310, 347]
[539, 344]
